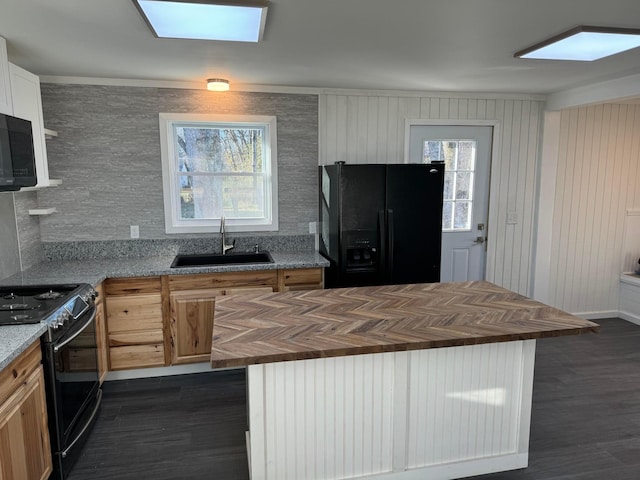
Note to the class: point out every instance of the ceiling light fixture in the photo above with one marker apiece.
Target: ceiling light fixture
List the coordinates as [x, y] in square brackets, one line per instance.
[584, 44]
[233, 21]
[218, 84]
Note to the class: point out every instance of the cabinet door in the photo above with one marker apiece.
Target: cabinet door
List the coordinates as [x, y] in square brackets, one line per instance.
[192, 325]
[24, 438]
[192, 319]
[6, 105]
[27, 104]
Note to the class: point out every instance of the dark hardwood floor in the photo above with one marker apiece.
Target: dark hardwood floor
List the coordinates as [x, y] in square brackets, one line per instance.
[168, 428]
[585, 420]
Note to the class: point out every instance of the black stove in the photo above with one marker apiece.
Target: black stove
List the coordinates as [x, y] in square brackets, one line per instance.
[55, 305]
[69, 360]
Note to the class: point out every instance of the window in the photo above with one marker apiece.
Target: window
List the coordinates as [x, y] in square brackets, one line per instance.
[459, 157]
[219, 165]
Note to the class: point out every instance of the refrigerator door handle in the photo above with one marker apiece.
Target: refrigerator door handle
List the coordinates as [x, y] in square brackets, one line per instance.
[382, 232]
[389, 245]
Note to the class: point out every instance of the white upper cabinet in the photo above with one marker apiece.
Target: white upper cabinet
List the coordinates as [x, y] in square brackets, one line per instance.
[6, 106]
[27, 104]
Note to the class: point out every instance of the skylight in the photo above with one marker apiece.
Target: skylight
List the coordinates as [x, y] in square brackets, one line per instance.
[584, 44]
[205, 20]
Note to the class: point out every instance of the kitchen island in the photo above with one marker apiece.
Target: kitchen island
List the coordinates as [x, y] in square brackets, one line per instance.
[405, 381]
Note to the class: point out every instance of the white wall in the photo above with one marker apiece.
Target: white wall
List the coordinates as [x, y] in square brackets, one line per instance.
[370, 128]
[598, 180]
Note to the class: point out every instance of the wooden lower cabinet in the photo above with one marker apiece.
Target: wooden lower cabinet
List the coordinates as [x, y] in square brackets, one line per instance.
[135, 326]
[25, 452]
[168, 320]
[192, 304]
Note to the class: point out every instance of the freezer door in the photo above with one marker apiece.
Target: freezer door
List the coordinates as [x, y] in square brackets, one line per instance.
[362, 194]
[414, 213]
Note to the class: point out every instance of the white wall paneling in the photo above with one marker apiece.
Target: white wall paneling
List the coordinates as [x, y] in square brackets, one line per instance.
[442, 413]
[546, 197]
[371, 128]
[598, 181]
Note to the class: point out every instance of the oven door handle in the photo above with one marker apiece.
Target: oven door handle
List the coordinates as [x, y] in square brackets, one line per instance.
[57, 347]
[65, 452]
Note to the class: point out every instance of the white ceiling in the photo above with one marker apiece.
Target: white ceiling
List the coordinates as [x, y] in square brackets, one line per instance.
[433, 45]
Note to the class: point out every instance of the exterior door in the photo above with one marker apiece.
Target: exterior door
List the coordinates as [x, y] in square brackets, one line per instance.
[466, 151]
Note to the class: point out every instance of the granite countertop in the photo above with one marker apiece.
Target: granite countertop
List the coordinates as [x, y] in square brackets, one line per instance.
[15, 339]
[265, 328]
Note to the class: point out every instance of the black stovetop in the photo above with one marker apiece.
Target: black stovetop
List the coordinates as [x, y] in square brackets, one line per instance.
[32, 303]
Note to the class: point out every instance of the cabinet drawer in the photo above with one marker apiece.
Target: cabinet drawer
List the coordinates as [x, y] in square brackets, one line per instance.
[136, 312]
[224, 280]
[303, 276]
[240, 290]
[142, 337]
[132, 286]
[136, 356]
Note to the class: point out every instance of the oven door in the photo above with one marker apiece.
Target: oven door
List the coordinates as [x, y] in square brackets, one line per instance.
[75, 378]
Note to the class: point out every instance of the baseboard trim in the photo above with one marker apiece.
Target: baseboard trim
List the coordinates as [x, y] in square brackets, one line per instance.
[162, 371]
[630, 317]
[598, 315]
[449, 471]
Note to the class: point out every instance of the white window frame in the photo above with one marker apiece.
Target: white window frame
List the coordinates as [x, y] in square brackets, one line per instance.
[170, 173]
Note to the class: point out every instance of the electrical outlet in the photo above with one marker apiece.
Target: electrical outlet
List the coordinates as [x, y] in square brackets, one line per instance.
[512, 218]
[135, 231]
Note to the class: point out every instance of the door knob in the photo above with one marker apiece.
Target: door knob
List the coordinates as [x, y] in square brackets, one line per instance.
[479, 240]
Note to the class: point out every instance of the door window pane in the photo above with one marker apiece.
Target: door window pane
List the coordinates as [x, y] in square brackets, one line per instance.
[449, 182]
[463, 185]
[447, 215]
[459, 157]
[466, 155]
[462, 219]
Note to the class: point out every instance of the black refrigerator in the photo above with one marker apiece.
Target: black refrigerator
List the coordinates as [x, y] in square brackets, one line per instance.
[381, 224]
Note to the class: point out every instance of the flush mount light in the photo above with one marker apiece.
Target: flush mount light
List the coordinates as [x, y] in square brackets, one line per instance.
[584, 44]
[218, 84]
[239, 21]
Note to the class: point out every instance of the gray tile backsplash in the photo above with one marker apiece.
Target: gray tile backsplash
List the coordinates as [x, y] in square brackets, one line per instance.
[107, 154]
[28, 229]
[91, 250]
[9, 250]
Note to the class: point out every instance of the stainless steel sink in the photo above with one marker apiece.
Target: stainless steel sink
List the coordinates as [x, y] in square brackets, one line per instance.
[212, 259]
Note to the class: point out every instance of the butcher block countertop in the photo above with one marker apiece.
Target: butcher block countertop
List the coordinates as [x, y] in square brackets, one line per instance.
[275, 327]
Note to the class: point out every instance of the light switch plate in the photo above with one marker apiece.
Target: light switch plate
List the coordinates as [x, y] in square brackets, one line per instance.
[135, 231]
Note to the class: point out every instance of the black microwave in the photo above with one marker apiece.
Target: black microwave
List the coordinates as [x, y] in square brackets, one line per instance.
[17, 159]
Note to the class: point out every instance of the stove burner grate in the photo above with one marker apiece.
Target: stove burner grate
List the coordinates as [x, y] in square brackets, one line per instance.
[50, 295]
[10, 296]
[15, 306]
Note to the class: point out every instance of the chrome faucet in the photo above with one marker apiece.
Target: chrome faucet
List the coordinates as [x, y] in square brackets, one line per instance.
[225, 247]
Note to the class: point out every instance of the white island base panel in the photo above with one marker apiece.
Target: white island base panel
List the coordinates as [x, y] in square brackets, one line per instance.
[440, 413]
[630, 297]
